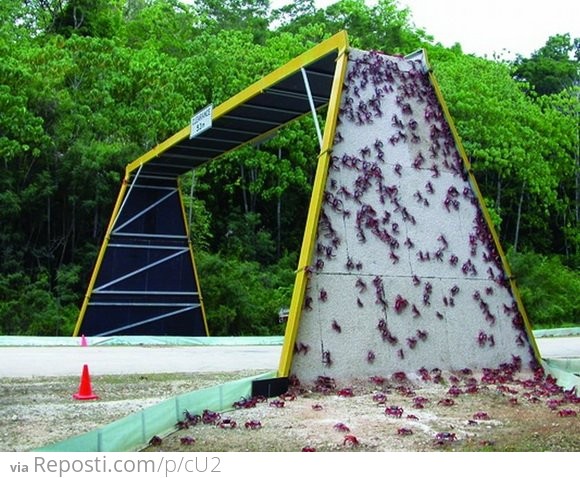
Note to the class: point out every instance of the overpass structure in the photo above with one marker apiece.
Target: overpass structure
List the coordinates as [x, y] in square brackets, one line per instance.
[145, 280]
[400, 267]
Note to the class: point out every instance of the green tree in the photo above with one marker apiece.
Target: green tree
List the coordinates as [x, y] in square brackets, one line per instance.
[519, 150]
[166, 26]
[243, 297]
[549, 289]
[87, 86]
[552, 68]
[384, 26]
[98, 18]
[561, 113]
[248, 15]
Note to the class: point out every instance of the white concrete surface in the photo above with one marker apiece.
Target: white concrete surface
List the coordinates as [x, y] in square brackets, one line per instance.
[400, 224]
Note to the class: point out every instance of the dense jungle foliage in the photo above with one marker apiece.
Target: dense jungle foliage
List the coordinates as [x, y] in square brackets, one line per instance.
[86, 86]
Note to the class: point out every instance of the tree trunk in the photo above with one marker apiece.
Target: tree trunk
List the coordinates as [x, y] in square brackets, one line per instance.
[48, 221]
[78, 18]
[96, 222]
[244, 196]
[519, 218]
[191, 190]
[498, 195]
[278, 213]
[566, 246]
[74, 230]
[253, 195]
[578, 183]
[577, 186]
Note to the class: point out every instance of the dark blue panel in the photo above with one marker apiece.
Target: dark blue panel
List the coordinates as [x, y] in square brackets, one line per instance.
[145, 275]
[108, 320]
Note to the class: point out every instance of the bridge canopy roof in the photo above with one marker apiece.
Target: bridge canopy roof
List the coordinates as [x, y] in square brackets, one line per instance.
[286, 94]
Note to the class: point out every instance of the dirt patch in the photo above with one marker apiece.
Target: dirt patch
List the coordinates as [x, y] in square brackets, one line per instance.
[38, 411]
[468, 415]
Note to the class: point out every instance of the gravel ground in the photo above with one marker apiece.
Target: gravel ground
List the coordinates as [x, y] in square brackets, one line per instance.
[521, 414]
[38, 411]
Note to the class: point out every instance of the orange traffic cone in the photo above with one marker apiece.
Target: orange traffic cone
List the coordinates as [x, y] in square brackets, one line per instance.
[85, 389]
[84, 341]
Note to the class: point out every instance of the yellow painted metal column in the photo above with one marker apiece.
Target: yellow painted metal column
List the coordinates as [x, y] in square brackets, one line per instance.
[116, 209]
[309, 239]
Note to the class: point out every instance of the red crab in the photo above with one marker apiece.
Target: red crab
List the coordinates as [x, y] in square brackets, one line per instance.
[470, 381]
[481, 416]
[182, 425]
[350, 440]
[288, 396]
[472, 389]
[191, 419]
[404, 431]
[308, 448]
[345, 392]
[554, 403]
[277, 403]
[187, 440]
[325, 384]
[443, 438]
[394, 411]
[377, 380]
[567, 413]
[228, 423]
[292, 382]
[405, 391]
[155, 440]
[454, 391]
[420, 400]
[245, 403]
[400, 376]
[447, 402]
[506, 389]
[209, 417]
[341, 427]
[379, 397]
[400, 304]
[531, 398]
[253, 424]
[317, 407]
[424, 374]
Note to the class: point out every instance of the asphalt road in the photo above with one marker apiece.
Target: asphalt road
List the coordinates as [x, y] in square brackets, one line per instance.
[104, 360]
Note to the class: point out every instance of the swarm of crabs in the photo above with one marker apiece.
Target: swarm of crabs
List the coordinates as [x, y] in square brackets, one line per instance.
[431, 410]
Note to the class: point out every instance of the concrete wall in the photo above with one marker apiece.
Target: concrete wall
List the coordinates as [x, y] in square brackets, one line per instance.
[405, 273]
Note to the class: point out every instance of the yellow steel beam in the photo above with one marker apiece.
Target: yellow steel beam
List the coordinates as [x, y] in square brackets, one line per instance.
[309, 238]
[101, 255]
[484, 210]
[336, 42]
